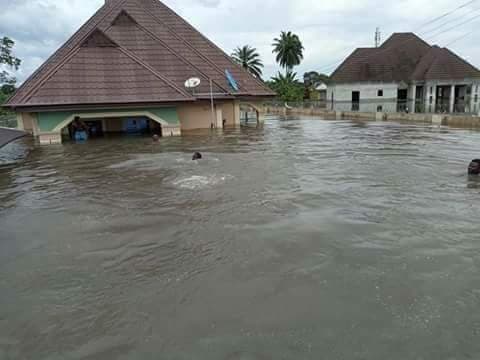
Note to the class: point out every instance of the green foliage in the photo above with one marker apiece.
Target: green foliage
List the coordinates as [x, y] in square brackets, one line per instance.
[287, 87]
[249, 59]
[289, 50]
[7, 82]
[7, 58]
[313, 78]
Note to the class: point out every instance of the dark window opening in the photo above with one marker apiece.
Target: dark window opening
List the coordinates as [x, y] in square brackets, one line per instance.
[380, 93]
[431, 90]
[355, 100]
[476, 98]
[379, 108]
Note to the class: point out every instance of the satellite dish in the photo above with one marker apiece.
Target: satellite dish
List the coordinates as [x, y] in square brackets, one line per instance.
[192, 83]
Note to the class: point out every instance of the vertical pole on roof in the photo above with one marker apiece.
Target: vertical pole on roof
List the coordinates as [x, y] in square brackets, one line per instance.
[211, 101]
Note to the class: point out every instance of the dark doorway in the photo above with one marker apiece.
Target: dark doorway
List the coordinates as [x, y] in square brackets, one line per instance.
[355, 100]
[442, 104]
[402, 99]
[460, 98]
[420, 99]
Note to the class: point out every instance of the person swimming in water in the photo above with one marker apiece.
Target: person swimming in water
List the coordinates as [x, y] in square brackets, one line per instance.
[197, 156]
[474, 167]
[156, 138]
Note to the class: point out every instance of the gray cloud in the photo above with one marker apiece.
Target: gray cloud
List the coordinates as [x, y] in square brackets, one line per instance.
[329, 30]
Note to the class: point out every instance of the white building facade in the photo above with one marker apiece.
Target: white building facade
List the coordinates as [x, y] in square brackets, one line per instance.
[442, 96]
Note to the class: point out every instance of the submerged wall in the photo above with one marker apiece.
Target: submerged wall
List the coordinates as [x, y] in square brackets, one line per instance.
[372, 96]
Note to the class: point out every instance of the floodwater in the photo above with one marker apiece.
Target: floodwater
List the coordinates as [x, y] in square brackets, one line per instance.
[306, 239]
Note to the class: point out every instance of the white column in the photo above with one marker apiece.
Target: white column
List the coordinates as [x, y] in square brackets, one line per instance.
[452, 99]
[236, 112]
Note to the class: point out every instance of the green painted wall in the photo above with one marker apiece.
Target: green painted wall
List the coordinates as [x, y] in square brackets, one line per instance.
[47, 121]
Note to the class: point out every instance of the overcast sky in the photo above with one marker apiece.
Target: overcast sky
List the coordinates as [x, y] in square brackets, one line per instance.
[330, 30]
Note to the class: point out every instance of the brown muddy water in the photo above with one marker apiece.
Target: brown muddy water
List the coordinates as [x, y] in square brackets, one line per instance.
[307, 239]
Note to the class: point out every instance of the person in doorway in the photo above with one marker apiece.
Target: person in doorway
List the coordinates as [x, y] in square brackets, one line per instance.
[79, 130]
[474, 167]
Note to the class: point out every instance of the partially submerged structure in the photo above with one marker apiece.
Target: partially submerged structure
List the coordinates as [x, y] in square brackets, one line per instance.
[9, 135]
[405, 74]
[127, 67]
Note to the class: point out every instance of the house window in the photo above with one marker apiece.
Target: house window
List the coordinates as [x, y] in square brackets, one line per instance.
[379, 108]
[431, 99]
[380, 92]
[431, 90]
[476, 97]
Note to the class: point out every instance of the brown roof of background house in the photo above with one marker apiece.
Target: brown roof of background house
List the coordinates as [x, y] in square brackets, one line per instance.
[403, 57]
[134, 51]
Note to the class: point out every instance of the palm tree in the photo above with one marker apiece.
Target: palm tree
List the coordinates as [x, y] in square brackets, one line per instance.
[288, 78]
[248, 58]
[289, 50]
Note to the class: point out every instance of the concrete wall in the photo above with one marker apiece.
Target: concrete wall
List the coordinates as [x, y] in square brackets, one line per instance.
[369, 99]
[199, 115]
[195, 116]
[231, 113]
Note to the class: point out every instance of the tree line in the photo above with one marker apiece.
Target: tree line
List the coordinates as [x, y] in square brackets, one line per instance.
[289, 53]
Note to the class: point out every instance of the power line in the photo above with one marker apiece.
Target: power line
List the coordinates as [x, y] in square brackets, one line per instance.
[460, 38]
[428, 23]
[454, 27]
[445, 15]
[449, 21]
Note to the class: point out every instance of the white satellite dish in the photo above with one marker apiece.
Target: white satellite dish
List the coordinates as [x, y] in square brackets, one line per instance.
[192, 83]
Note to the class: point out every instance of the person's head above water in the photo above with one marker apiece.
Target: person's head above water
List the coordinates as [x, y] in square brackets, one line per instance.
[155, 138]
[474, 167]
[197, 156]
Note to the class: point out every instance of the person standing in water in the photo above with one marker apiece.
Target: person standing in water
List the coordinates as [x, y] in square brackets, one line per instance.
[79, 130]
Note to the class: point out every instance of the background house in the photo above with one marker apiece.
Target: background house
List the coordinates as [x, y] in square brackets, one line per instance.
[405, 74]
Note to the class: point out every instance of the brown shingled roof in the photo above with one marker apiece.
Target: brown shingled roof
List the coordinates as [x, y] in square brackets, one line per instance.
[403, 57]
[134, 51]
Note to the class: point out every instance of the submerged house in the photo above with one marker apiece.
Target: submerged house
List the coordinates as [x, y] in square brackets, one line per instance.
[405, 74]
[129, 66]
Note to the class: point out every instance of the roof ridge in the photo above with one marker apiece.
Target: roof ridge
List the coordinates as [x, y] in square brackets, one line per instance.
[92, 20]
[176, 54]
[215, 66]
[214, 45]
[153, 71]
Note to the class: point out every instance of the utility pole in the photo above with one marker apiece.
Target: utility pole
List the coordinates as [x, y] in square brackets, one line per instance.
[378, 37]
